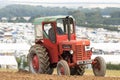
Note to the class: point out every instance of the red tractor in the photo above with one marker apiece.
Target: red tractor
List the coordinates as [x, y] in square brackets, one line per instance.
[56, 47]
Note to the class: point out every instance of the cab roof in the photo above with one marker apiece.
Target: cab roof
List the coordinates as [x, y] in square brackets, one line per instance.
[38, 21]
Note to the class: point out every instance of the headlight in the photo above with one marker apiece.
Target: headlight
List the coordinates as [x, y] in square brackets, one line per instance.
[92, 49]
[87, 48]
[71, 51]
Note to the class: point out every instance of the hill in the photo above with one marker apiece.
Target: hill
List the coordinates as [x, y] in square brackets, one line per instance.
[89, 17]
[27, 10]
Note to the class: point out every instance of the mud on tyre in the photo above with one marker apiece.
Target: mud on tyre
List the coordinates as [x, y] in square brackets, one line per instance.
[38, 60]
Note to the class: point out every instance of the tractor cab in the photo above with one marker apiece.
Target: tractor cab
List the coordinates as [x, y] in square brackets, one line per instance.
[52, 31]
[55, 29]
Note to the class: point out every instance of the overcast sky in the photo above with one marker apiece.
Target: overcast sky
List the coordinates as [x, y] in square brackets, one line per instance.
[90, 1]
[67, 3]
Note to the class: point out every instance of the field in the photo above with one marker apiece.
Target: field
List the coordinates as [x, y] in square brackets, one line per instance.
[14, 75]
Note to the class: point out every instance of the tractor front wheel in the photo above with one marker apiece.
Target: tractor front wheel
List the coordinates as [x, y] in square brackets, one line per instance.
[99, 66]
[63, 68]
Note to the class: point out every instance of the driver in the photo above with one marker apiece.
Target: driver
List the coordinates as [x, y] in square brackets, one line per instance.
[52, 33]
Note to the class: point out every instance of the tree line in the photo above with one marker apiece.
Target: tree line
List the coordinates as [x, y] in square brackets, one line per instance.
[84, 16]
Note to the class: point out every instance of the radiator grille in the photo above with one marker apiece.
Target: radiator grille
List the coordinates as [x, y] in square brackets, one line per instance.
[79, 52]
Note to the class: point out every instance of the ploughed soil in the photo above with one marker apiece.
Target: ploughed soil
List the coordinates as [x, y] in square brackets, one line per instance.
[23, 75]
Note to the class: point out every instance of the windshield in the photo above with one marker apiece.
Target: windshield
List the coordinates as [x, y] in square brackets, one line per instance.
[62, 26]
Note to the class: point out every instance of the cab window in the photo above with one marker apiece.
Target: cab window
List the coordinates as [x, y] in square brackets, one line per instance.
[63, 25]
[49, 31]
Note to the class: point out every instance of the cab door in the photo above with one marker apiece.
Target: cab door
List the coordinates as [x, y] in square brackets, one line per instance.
[50, 41]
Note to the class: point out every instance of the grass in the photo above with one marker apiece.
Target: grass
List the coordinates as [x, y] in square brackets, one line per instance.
[112, 73]
[8, 70]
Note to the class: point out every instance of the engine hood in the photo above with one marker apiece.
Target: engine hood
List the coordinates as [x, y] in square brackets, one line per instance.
[83, 42]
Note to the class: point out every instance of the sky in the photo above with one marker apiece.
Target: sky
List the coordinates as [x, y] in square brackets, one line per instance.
[58, 1]
[67, 3]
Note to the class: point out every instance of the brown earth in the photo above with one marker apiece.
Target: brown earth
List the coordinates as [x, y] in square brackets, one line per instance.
[22, 75]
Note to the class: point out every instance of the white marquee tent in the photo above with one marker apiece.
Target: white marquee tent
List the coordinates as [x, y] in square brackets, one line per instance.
[106, 46]
[8, 61]
[14, 46]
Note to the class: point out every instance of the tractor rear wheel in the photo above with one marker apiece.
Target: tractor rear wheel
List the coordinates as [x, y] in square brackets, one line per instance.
[99, 67]
[63, 68]
[38, 60]
[80, 70]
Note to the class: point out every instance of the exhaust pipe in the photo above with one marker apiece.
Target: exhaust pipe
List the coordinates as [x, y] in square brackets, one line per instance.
[68, 25]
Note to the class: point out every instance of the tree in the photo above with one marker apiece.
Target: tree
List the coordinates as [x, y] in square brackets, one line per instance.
[115, 14]
[79, 17]
[94, 17]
